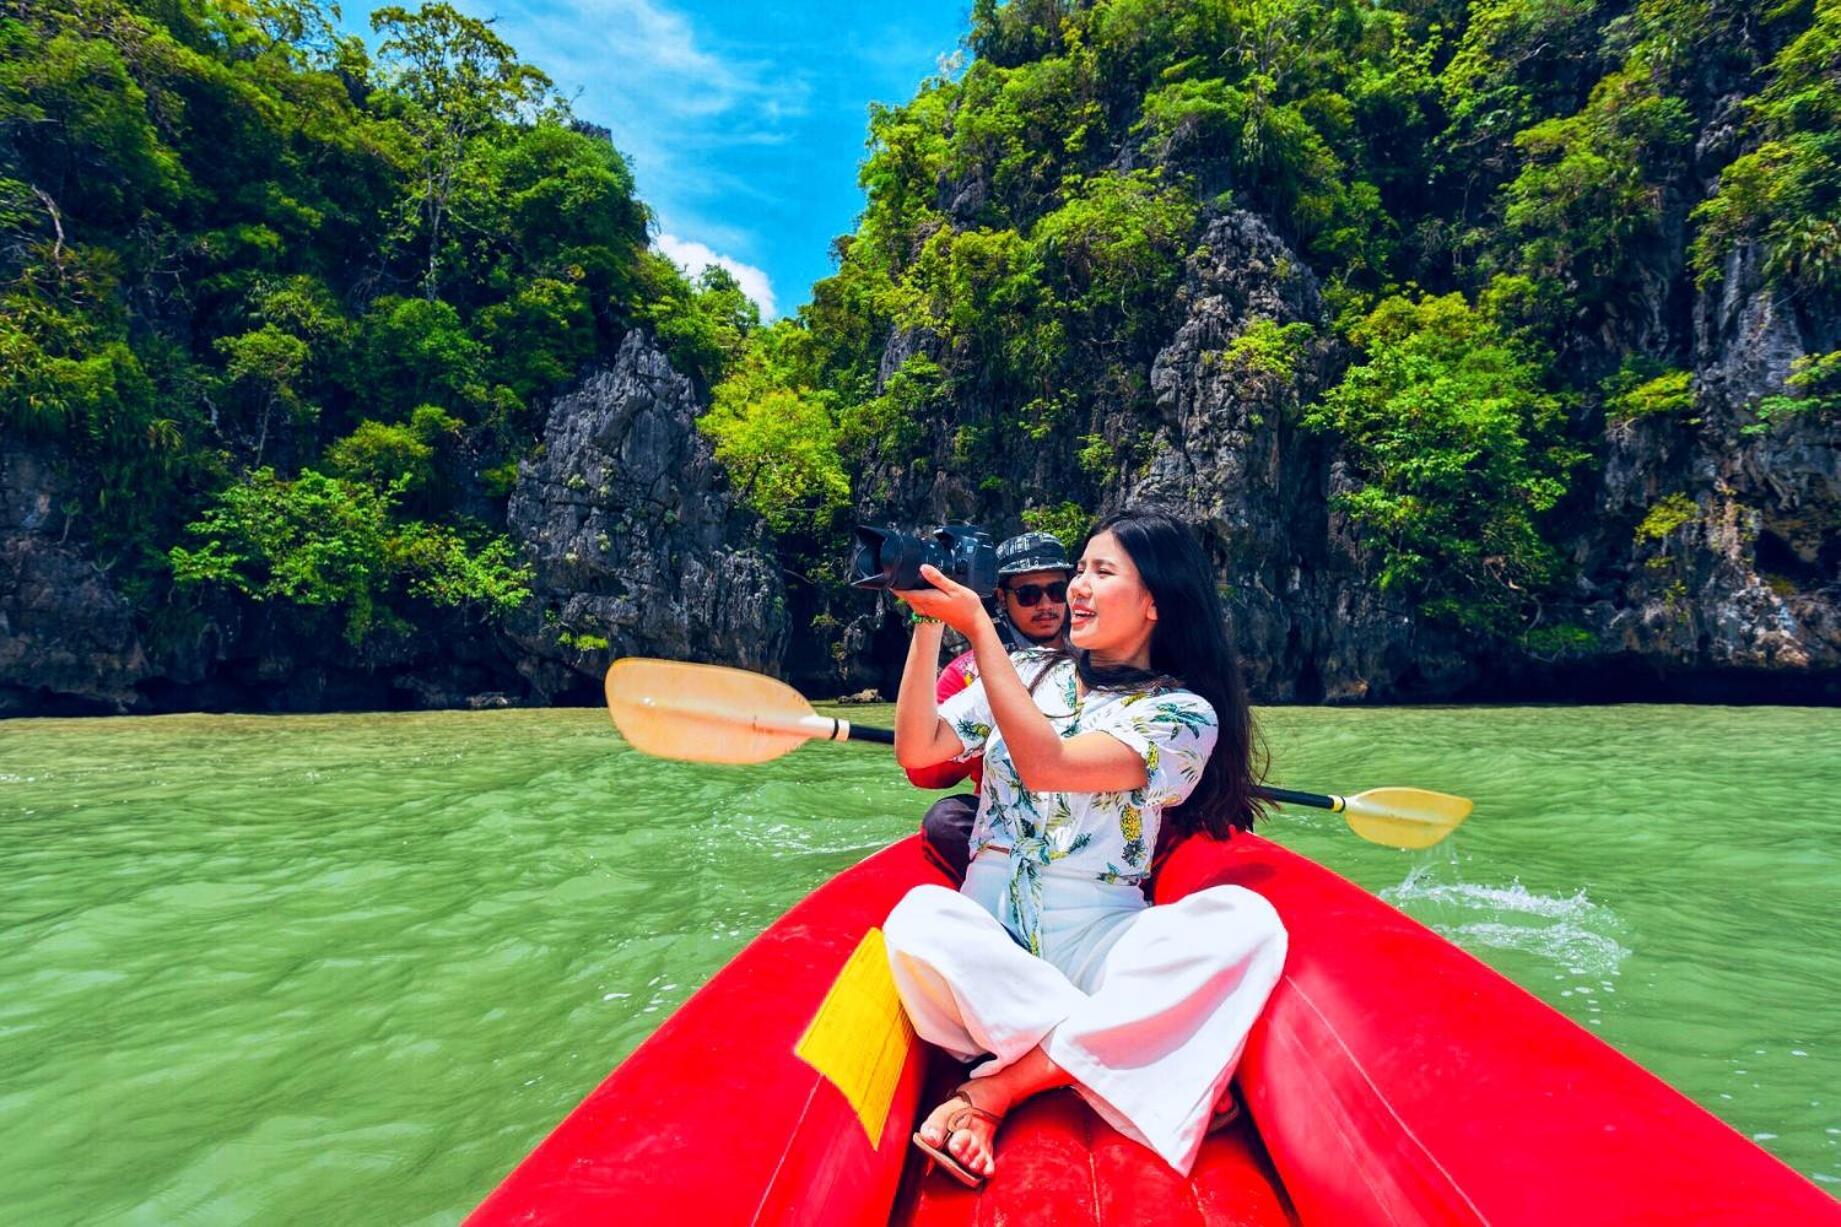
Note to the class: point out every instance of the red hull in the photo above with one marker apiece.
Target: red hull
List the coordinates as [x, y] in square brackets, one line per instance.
[1393, 1079]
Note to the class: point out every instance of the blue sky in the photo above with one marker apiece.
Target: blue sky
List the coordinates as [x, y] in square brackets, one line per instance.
[744, 122]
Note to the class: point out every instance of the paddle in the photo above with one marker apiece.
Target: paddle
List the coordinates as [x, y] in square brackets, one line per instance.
[714, 714]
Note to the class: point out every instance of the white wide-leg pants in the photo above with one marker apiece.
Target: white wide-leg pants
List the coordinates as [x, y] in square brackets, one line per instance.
[1152, 1039]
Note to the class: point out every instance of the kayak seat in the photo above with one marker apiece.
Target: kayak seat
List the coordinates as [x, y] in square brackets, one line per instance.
[1058, 1163]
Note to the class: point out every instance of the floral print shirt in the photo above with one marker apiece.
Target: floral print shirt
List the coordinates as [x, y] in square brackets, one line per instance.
[1105, 835]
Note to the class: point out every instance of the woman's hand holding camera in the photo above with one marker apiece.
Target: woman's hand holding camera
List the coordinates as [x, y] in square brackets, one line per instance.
[952, 603]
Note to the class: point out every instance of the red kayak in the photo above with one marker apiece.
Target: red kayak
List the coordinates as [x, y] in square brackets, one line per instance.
[1392, 1079]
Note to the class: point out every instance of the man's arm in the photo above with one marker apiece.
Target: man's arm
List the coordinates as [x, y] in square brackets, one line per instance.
[953, 678]
[922, 739]
[1086, 762]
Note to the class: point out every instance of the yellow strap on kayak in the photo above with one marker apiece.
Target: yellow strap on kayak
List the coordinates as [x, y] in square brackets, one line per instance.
[861, 1037]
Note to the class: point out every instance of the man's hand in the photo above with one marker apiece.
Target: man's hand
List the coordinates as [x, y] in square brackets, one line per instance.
[952, 603]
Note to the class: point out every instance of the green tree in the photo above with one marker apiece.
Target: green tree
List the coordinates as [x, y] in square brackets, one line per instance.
[1786, 193]
[320, 541]
[81, 126]
[267, 364]
[455, 79]
[416, 351]
[208, 213]
[396, 457]
[539, 338]
[1459, 450]
[780, 448]
[1642, 388]
[1069, 523]
[1814, 386]
[1593, 184]
[1117, 248]
[703, 326]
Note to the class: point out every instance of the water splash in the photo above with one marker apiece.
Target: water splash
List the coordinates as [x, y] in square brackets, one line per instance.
[1570, 930]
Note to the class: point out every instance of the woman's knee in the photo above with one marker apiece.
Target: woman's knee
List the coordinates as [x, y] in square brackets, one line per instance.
[1247, 915]
[916, 916]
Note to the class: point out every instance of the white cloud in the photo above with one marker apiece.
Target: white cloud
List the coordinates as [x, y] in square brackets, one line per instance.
[644, 62]
[694, 257]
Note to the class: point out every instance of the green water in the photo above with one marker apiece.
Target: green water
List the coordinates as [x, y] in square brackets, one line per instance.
[350, 969]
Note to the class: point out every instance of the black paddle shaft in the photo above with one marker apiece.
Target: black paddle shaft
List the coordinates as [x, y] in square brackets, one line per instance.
[1287, 796]
[1283, 796]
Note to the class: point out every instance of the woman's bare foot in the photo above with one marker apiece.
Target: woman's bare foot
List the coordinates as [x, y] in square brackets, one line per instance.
[968, 1134]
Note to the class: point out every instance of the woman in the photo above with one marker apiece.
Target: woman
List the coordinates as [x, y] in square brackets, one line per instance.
[1032, 587]
[1048, 959]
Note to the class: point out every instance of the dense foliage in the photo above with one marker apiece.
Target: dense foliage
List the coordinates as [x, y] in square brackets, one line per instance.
[1493, 193]
[305, 300]
[321, 540]
[290, 309]
[1463, 451]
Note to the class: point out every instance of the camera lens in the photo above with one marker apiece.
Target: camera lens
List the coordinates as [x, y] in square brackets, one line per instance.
[883, 557]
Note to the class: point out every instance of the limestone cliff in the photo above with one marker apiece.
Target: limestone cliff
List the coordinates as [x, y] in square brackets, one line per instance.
[638, 548]
[1741, 601]
[634, 544]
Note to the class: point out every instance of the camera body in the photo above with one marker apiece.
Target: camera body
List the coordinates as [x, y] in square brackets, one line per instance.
[890, 558]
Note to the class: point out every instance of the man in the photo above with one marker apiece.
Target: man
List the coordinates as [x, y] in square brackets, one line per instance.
[1032, 595]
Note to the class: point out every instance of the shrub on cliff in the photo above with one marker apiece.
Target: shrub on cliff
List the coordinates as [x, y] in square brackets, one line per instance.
[321, 541]
[1786, 193]
[778, 440]
[1459, 449]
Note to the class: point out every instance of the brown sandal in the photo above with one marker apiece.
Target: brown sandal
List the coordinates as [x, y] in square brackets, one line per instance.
[943, 1157]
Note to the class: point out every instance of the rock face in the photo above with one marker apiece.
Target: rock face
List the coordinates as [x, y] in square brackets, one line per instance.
[637, 546]
[72, 645]
[1229, 459]
[1750, 582]
[1218, 447]
[67, 642]
[1741, 602]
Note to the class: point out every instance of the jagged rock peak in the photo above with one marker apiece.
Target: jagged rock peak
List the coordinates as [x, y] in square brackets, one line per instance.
[634, 537]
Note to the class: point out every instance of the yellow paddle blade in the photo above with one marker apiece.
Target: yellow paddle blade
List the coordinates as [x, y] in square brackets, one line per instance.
[707, 713]
[1404, 817]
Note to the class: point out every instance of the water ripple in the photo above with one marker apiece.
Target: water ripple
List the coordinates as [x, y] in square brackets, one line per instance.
[351, 968]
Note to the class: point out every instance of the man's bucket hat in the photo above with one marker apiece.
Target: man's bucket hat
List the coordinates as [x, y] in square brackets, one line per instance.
[1032, 552]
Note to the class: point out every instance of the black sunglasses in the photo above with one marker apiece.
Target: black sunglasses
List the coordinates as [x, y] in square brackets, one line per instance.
[1029, 594]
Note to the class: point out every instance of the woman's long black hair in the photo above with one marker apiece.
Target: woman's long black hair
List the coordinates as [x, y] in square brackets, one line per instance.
[1189, 646]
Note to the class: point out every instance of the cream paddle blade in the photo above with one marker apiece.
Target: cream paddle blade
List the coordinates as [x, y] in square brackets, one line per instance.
[711, 714]
[1397, 817]
[1405, 817]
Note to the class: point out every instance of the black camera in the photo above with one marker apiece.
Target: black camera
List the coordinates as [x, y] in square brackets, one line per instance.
[890, 558]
